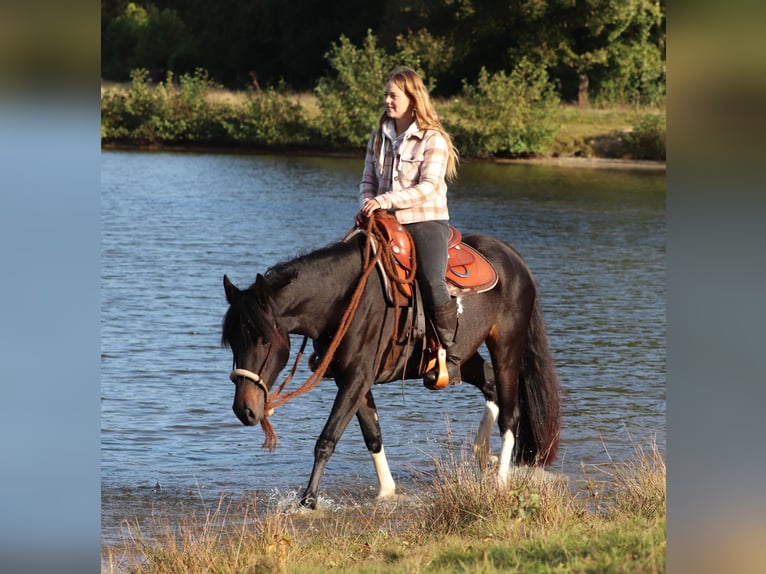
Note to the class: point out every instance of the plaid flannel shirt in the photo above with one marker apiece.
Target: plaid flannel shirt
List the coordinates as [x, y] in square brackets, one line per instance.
[408, 179]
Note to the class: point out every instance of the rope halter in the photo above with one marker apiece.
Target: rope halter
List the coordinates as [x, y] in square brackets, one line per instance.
[255, 378]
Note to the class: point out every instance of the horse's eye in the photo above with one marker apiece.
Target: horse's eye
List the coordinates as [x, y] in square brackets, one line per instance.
[265, 341]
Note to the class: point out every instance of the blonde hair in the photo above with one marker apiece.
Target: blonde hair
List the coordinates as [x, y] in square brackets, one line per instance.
[408, 80]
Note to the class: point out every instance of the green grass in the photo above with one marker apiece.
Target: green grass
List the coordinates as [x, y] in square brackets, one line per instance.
[460, 522]
[597, 131]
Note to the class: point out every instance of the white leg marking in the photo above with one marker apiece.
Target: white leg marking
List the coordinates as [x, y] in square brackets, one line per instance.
[481, 449]
[385, 480]
[506, 453]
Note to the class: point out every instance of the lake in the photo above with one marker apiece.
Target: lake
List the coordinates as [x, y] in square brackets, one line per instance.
[174, 223]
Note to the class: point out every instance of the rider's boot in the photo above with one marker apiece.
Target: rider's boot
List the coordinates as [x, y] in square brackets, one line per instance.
[447, 370]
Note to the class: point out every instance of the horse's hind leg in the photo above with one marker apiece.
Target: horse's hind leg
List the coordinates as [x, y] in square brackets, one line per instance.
[367, 415]
[506, 356]
[479, 372]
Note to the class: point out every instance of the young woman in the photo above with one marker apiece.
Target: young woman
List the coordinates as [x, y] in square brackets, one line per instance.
[410, 158]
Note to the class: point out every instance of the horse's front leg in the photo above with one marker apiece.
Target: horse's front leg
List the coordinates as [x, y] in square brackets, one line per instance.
[367, 415]
[346, 404]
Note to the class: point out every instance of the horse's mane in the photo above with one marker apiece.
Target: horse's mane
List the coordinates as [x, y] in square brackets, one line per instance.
[280, 274]
[244, 316]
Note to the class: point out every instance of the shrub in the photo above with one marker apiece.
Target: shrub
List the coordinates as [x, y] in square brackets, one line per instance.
[167, 113]
[269, 118]
[647, 140]
[186, 113]
[506, 114]
[127, 115]
[351, 99]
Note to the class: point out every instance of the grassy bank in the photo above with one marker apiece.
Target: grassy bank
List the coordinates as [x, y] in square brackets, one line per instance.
[610, 521]
[192, 112]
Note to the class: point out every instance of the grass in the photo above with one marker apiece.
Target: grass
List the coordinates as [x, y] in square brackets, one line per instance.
[596, 131]
[462, 522]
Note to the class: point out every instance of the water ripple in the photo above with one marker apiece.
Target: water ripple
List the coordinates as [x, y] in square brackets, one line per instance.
[173, 224]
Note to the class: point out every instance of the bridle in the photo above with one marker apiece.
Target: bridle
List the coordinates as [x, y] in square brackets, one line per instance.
[254, 377]
[273, 400]
[250, 375]
[270, 398]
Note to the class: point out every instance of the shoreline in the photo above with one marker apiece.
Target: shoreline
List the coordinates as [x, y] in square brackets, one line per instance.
[591, 163]
[561, 161]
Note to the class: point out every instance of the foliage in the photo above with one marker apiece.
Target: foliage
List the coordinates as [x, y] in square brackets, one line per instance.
[119, 40]
[192, 110]
[435, 55]
[619, 45]
[169, 113]
[351, 99]
[506, 114]
[647, 139]
[269, 118]
[157, 40]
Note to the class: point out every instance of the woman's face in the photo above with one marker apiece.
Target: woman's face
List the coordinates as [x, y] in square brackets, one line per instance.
[398, 105]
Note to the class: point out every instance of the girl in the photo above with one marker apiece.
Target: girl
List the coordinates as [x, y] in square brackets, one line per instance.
[409, 159]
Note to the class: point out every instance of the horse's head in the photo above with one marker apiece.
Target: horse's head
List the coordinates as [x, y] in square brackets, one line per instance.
[259, 345]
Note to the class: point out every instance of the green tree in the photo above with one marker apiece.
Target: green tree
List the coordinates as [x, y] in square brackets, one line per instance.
[150, 38]
[617, 44]
[119, 42]
[164, 42]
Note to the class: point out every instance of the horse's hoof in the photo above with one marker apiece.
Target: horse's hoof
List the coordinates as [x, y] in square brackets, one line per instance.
[386, 494]
[309, 502]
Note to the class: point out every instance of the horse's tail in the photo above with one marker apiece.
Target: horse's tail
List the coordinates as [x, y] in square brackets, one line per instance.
[539, 397]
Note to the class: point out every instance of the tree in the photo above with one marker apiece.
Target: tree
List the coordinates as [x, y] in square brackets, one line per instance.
[120, 38]
[617, 44]
[157, 40]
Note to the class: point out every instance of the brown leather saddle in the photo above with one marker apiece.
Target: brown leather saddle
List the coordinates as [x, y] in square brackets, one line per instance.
[468, 271]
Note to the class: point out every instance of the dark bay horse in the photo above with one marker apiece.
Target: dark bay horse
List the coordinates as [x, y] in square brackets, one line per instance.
[309, 295]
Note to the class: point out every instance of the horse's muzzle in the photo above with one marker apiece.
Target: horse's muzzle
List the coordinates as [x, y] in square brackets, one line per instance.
[249, 401]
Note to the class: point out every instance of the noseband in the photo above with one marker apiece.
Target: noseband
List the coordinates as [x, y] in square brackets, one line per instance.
[250, 375]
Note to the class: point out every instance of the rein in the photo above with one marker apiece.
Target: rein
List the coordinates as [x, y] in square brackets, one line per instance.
[371, 258]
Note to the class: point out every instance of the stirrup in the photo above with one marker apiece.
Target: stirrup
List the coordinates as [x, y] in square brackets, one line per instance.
[440, 362]
[443, 379]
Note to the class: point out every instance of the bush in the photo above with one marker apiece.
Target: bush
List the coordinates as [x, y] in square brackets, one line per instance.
[506, 114]
[269, 118]
[647, 140]
[125, 115]
[351, 101]
[187, 114]
[168, 113]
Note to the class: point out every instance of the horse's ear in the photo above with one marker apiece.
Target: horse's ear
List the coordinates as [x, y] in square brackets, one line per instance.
[230, 288]
[262, 291]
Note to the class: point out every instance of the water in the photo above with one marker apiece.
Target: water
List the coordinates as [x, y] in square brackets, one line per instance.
[173, 224]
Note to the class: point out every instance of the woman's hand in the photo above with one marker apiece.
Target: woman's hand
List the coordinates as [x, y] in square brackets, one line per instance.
[364, 214]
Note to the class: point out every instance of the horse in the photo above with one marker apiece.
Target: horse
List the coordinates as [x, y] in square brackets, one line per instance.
[310, 296]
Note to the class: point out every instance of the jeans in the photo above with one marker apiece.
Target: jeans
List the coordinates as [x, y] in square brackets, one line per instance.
[430, 239]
